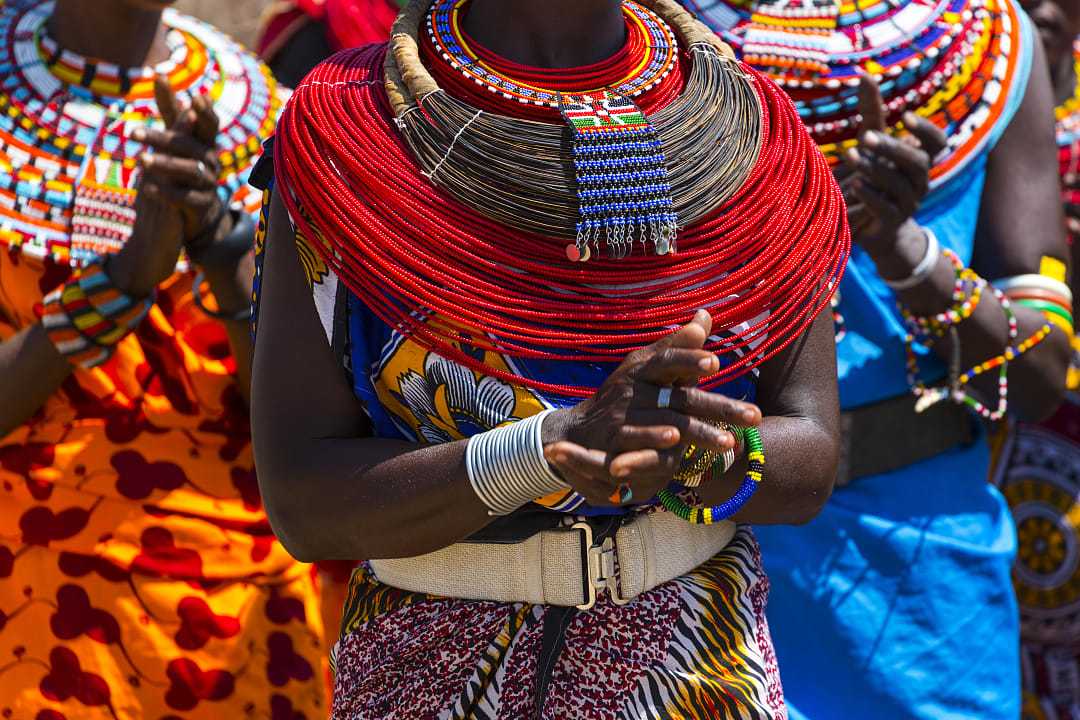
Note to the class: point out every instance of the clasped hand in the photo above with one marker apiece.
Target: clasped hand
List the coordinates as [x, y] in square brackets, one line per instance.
[621, 435]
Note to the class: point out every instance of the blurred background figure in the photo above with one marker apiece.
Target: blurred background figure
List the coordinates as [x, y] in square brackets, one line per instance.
[139, 577]
[897, 601]
[1039, 472]
[297, 35]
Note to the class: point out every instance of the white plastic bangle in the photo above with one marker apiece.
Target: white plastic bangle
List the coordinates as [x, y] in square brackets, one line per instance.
[1040, 282]
[507, 468]
[924, 268]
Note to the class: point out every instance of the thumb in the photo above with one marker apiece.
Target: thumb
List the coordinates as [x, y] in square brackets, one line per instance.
[871, 106]
[692, 335]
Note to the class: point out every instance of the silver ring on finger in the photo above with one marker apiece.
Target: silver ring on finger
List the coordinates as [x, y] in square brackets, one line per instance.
[663, 398]
[203, 169]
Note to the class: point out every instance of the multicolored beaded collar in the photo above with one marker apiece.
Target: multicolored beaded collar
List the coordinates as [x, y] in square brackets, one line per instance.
[67, 163]
[952, 61]
[444, 26]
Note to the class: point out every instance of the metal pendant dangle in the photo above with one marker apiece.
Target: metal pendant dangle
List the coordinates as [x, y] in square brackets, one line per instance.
[622, 179]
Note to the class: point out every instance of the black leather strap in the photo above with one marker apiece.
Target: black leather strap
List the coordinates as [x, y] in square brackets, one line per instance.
[890, 435]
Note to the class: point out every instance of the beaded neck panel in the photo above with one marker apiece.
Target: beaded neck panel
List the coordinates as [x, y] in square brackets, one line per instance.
[952, 61]
[67, 161]
[653, 57]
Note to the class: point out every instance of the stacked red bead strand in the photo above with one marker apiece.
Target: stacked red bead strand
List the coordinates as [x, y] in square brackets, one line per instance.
[440, 272]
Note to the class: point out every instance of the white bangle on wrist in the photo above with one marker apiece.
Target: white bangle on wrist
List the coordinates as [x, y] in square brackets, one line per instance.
[507, 468]
[924, 267]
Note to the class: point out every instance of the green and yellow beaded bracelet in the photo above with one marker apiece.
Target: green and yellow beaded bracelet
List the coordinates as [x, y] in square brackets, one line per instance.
[755, 454]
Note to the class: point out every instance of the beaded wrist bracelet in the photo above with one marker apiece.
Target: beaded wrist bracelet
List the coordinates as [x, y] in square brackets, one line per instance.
[88, 316]
[967, 291]
[755, 453]
[1047, 295]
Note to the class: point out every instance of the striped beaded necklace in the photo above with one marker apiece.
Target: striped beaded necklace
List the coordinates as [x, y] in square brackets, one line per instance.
[67, 161]
[952, 61]
[623, 191]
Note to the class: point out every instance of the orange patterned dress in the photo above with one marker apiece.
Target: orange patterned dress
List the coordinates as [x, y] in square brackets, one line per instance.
[139, 577]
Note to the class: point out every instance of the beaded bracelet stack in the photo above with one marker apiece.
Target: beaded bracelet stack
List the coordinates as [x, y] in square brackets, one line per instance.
[88, 316]
[750, 438]
[1047, 295]
[966, 295]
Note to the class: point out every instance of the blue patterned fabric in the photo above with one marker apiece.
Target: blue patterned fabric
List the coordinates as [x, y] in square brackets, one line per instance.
[416, 395]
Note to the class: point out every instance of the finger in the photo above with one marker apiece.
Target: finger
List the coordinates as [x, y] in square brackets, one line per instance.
[692, 431]
[678, 366]
[884, 176]
[639, 437]
[584, 469]
[643, 465]
[207, 123]
[878, 205]
[692, 335]
[171, 142]
[913, 162]
[167, 104]
[870, 104]
[932, 138]
[178, 171]
[698, 403]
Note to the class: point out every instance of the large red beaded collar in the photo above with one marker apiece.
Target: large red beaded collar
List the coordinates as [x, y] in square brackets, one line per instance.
[377, 166]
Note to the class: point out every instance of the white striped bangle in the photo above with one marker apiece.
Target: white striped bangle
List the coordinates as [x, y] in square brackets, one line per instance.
[507, 468]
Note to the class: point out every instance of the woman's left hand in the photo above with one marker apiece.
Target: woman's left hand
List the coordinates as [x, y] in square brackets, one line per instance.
[885, 178]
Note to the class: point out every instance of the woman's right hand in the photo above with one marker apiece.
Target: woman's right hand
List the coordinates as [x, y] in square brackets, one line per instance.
[172, 188]
[621, 435]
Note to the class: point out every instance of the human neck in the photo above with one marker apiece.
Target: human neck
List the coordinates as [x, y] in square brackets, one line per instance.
[110, 30]
[548, 33]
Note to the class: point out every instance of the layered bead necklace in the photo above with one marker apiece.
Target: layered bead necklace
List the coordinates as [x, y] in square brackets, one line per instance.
[379, 164]
[67, 161]
[952, 61]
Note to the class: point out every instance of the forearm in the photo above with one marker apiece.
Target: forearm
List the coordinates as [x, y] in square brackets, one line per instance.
[367, 498]
[31, 370]
[801, 456]
[1036, 378]
[232, 291]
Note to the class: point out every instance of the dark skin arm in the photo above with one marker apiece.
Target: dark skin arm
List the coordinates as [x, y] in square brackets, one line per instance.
[31, 369]
[333, 492]
[1020, 221]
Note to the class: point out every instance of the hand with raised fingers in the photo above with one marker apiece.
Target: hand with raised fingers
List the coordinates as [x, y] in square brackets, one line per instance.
[177, 193]
[627, 440]
[885, 178]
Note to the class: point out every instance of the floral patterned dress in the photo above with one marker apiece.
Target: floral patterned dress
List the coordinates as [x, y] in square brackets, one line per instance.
[139, 577]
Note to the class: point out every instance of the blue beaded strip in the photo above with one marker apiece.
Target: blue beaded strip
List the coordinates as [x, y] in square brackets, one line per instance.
[621, 174]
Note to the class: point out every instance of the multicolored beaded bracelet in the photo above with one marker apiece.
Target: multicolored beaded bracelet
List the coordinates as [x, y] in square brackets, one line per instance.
[755, 454]
[1002, 362]
[928, 397]
[967, 292]
[88, 316]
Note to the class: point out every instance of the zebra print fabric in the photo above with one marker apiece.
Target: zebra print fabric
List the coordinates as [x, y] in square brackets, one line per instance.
[696, 647]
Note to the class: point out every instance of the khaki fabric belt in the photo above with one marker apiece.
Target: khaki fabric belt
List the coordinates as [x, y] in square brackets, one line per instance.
[565, 567]
[890, 435]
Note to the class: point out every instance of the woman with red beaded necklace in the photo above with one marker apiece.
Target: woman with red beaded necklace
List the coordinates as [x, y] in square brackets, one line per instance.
[544, 288]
